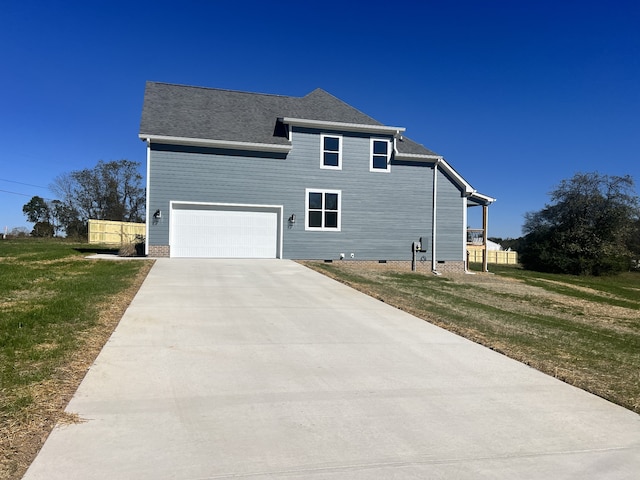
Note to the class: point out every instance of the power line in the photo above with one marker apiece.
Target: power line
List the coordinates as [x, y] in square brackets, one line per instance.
[16, 193]
[21, 183]
[24, 194]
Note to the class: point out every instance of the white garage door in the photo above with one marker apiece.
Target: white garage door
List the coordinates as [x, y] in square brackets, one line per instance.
[210, 232]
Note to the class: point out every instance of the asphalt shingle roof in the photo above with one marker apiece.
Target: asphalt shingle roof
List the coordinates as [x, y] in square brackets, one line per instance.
[217, 114]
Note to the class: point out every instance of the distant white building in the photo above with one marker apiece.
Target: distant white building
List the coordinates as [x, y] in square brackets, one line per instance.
[493, 245]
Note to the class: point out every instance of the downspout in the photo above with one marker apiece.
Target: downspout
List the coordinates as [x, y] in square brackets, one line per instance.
[395, 144]
[435, 202]
[146, 215]
[434, 219]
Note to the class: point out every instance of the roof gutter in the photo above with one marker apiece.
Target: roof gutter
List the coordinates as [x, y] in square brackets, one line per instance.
[205, 142]
[413, 157]
[349, 127]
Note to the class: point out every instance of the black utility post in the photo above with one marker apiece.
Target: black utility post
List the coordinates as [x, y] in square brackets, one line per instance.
[416, 247]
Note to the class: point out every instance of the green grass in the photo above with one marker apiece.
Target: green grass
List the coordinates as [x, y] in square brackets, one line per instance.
[583, 330]
[49, 297]
[623, 289]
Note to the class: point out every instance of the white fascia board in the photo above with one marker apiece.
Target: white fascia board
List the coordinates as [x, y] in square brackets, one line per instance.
[470, 192]
[349, 127]
[468, 189]
[205, 142]
[417, 157]
[442, 163]
[483, 198]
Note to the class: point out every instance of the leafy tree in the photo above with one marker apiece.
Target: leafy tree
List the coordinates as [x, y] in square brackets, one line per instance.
[634, 244]
[109, 191]
[43, 229]
[585, 230]
[508, 243]
[38, 211]
[68, 219]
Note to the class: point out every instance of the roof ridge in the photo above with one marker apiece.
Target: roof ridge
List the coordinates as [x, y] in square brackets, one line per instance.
[322, 90]
[229, 90]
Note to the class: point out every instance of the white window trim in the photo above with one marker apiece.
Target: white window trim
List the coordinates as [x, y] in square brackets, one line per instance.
[388, 142]
[330, 167]
[306, 210]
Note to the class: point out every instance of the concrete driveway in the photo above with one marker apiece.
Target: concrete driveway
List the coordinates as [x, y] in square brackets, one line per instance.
[266, 370]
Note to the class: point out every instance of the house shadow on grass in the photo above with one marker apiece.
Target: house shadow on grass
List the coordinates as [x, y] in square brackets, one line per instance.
[129, 250]
[98, 250]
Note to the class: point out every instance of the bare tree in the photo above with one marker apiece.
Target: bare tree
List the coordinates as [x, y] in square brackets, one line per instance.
[109, 191]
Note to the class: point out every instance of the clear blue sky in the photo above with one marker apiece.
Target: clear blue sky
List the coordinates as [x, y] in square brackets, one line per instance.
[515, 95]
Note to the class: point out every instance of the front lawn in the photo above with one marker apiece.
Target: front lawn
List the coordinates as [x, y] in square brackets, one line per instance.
[56, 311]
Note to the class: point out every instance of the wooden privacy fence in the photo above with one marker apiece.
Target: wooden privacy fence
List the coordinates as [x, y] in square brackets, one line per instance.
[500, 257]
[107, 232]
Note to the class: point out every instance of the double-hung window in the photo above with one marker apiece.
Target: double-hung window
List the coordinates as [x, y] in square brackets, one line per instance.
[331, 151]
[380, 155]
[323, 209]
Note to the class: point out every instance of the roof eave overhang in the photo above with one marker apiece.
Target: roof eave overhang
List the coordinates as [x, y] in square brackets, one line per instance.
[481, 199]
[466, 188]
[417, 157]
[205, 142]
[344, 126]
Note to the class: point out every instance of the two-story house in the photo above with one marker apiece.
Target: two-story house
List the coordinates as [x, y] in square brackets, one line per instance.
[247, 175]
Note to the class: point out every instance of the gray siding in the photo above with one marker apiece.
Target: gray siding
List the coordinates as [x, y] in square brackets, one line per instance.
[382, 213]
[449, 225]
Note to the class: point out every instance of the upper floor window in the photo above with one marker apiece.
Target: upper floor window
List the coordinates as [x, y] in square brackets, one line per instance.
[323, 208]
[331, 154]
[380, 155]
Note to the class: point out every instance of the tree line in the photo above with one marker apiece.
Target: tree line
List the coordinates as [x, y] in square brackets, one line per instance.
[109, 191]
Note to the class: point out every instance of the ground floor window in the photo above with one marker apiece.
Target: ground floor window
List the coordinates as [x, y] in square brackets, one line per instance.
[323, 208]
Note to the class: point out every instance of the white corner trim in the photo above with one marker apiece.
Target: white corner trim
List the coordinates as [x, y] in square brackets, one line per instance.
[147, 199]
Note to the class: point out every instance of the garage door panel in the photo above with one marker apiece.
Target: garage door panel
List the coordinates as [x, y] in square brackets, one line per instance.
[224, 233]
